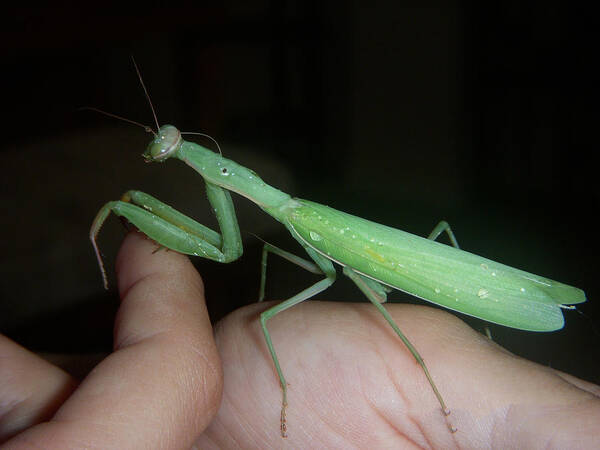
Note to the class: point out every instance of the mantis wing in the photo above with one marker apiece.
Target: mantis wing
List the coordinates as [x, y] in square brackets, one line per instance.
[436, 272]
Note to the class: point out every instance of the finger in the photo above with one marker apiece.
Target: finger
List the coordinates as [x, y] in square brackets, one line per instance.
[31, 389]
[163, 383]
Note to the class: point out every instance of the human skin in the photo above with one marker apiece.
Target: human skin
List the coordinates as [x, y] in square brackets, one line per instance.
[351, 383]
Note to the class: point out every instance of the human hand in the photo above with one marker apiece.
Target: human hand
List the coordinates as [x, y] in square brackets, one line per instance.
[159, 388]
[351, 381]
[352, 384]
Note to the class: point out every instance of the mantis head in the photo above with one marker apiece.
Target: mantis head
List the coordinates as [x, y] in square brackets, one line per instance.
[165, 143]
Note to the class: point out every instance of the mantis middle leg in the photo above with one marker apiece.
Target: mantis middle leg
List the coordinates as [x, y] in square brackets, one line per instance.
[321, 265]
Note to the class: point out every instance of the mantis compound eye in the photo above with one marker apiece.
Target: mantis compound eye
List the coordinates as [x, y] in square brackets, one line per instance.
[164, 144]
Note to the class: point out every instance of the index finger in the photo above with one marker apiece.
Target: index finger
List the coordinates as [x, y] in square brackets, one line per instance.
[162, 385]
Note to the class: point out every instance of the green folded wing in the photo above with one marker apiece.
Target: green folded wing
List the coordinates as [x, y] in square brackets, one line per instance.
[441, 274]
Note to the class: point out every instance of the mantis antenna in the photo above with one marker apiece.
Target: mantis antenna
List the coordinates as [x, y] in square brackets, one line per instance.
[147, 128]
[145, 92]
[124, 119]
[206, 136]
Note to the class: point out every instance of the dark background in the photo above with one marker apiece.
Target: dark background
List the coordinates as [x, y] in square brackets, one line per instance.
[483, 116]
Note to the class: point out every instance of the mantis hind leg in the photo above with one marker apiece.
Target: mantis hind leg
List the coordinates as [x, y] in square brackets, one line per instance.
[365, 285]
[439, 229]
[321, 265]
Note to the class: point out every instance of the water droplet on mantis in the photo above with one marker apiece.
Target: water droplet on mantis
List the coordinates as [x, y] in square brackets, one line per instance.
[315, 236]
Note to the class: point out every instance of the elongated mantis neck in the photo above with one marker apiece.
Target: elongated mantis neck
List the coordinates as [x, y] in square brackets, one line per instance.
[230, 175]
[214, 168]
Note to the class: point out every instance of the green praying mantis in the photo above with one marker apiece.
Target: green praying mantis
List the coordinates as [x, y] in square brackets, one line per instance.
[376, 257]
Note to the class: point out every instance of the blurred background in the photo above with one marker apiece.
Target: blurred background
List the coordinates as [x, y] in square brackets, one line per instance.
[484, 116]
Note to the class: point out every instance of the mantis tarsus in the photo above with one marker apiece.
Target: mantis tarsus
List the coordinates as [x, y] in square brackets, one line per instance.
[376, 257]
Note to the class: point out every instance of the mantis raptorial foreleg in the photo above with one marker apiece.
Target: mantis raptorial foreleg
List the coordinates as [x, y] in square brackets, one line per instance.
[175, 230]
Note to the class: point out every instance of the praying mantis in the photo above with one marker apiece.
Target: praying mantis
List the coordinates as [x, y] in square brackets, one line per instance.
[375, 257]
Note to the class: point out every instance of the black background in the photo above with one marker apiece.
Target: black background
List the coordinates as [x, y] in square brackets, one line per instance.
[483, 116]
